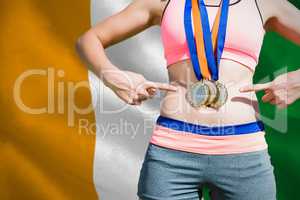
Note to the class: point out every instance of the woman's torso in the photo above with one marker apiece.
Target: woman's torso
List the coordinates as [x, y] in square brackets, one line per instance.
[243, 42]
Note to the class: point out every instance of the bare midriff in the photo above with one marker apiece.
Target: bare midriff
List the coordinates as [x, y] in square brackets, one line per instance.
[240, 107]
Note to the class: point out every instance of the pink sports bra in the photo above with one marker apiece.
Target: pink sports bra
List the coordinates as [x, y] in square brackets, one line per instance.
[244, 35]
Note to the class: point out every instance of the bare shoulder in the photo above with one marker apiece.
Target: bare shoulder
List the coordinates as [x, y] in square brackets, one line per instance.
[156, 8]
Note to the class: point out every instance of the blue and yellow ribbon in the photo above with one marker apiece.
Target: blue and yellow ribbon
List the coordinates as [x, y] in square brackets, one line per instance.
[205, 46]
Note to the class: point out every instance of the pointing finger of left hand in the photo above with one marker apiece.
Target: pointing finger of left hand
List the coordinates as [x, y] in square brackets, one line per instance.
[256, 87]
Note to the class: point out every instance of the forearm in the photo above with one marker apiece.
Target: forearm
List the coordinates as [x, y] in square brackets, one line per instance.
[287, 23]
[282, 17]
[91, 51]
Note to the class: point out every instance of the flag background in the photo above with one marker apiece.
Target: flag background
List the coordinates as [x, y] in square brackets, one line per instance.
[41, 157]
[145, 56]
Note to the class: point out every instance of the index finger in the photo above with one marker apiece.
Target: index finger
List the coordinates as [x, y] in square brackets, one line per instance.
[256, 87]
[161, 86]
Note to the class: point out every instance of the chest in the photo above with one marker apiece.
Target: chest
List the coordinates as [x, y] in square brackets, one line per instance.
[244, 27]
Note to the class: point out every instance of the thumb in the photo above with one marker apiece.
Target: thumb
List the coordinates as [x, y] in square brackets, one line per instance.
[256, 87]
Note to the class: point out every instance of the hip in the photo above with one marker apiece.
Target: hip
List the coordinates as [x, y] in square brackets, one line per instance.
[172, 174]
[215, 140]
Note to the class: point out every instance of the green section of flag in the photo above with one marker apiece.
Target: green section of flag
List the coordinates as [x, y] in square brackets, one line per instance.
[278, 56]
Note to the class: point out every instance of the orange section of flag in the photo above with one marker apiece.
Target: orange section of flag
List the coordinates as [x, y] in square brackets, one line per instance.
[44, 156]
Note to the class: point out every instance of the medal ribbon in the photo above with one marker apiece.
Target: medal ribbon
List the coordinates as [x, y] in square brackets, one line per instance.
[205, 46]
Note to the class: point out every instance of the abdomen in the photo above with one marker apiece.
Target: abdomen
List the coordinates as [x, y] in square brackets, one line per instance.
[239, 108]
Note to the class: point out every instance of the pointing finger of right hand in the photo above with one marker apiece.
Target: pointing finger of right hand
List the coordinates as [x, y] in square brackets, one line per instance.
[161, 86]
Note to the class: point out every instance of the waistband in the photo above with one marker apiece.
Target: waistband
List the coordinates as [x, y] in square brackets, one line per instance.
[239, 129]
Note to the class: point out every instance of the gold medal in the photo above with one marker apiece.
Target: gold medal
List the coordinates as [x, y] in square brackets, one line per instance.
[213, 91]
[198, 94]
[222, 96]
